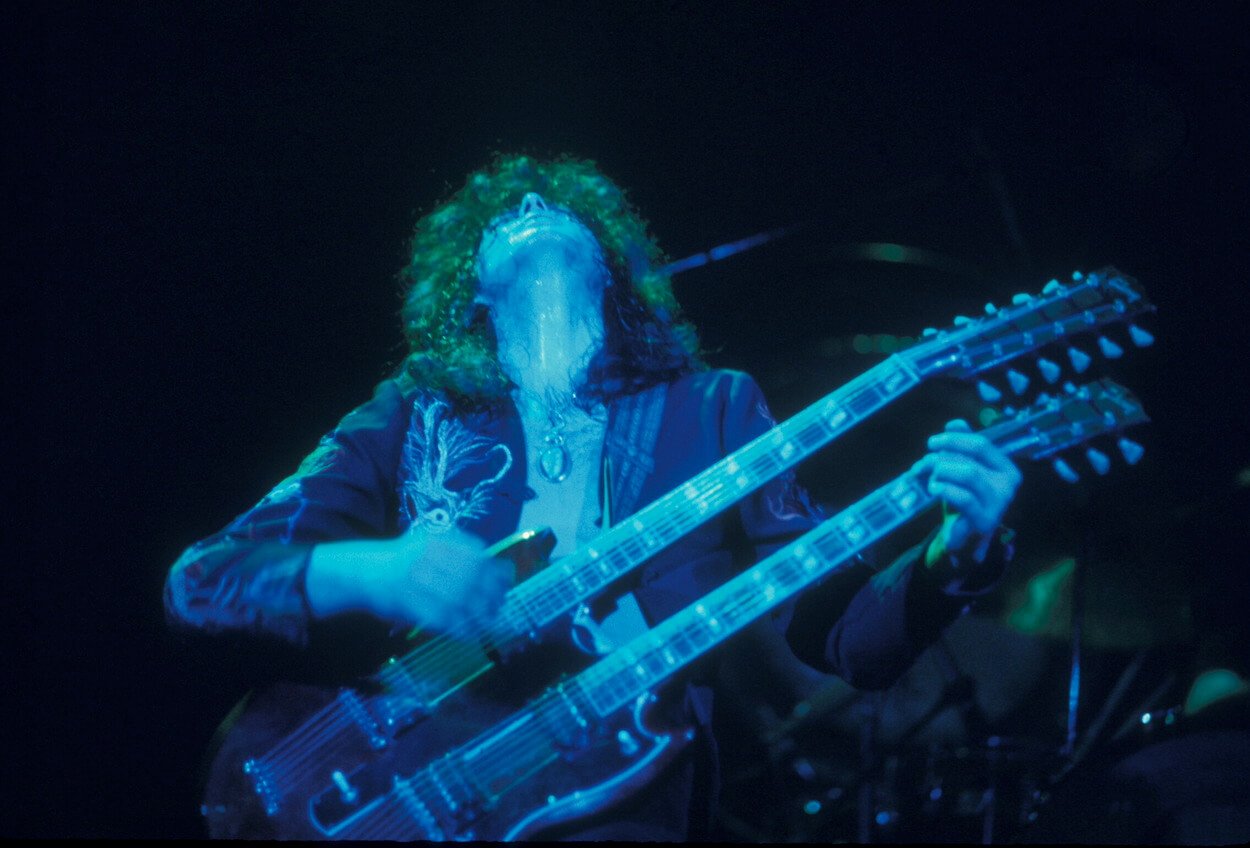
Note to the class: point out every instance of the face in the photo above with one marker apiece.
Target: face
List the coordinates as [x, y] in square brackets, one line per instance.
[534, 233]
[542, 275]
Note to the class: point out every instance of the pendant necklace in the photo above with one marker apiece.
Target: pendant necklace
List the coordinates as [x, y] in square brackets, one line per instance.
[554, 460]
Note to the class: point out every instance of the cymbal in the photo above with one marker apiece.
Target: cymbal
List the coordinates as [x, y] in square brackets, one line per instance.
[1119, 614]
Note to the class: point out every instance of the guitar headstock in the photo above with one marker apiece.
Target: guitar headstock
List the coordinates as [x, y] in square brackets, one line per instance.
[1089, 305]
[1079, 414]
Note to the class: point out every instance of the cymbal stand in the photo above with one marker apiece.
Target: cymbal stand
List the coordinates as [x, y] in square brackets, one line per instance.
[1078, 623]
[869, 712]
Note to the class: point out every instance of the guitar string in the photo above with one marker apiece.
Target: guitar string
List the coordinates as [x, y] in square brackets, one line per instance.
[535, 740]
[731, 606]
[393, 814]
[523, 739]
[740, 606]
[509, 750]
[330, 720]
[447, 657]
[291, 767]
[294, 749]
[512, 749]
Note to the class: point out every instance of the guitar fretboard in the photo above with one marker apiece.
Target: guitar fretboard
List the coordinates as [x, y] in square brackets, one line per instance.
[577, 577]
[652, 657]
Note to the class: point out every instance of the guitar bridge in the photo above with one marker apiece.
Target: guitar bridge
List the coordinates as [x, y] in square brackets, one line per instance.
[360, 715]
[263, 784]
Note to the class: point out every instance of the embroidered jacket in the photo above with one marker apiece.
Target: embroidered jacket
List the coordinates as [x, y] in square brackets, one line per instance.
[404, 458]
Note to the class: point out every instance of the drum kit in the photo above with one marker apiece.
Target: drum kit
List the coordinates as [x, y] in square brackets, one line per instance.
[972, 745]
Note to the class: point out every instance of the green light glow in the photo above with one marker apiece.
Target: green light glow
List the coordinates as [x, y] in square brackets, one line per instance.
[886, 252]
[1213, 685]
[861, 344]
[1044, 591]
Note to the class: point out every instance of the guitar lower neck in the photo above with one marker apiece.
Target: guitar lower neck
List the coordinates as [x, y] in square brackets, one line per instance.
[652, 657]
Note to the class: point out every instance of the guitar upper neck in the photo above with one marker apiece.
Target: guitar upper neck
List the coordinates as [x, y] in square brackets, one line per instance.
[578, 576]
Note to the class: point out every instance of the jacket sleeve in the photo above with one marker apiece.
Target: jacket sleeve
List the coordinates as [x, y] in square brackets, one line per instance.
[865, 624]
[249, 577]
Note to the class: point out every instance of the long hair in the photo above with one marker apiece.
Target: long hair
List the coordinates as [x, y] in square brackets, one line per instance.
[451, 343]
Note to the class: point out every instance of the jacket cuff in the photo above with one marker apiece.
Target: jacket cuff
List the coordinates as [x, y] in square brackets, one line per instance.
[962, 577]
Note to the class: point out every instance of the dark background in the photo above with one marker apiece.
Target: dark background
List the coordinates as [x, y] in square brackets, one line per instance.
[209, 202]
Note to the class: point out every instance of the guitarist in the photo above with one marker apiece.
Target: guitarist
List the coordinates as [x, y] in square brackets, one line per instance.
[552, 381]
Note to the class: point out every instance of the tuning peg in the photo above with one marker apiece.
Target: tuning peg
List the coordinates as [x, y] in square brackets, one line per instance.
[1109, 349]
[1139, 336]
[1065, 471]
[928, 331]
[1022, 297]
[1131, 450]
[1077, 276]
[1009, 411]
[1050, 371]
[991, 309]
[962, 320]
[1100, 461]
[1069, 388]
[988, 393]
[1052, 287]
[1080, 359]
[1018, 381]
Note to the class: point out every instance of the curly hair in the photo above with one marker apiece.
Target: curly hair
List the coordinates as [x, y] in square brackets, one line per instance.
[451, 343]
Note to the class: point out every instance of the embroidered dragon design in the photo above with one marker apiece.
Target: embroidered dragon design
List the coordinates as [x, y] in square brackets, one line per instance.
[437, 448]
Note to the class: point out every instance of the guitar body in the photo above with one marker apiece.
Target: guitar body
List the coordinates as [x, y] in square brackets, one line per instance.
[568, 772]
[232, 807]
[300, 761]
[282, 745]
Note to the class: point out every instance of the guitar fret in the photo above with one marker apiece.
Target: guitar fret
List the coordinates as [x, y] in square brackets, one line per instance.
[853, 529]
[864, 401]
[792, 571]
[811, 437]
[878, 514]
